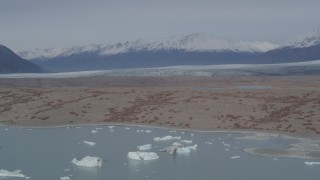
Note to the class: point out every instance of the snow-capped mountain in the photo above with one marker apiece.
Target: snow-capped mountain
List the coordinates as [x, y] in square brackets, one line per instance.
[305, 40]
[189, 43]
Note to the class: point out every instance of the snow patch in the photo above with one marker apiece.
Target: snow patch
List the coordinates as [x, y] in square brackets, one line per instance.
[88, 161]
[146, 156]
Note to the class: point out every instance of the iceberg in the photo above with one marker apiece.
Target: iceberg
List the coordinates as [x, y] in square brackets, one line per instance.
[146, 156]
[110, 127]
[186, 150]
[312, 163]
[64, 178]
[89, 143]
[167, 138]
[7, 174]
[127, 128]
[148, 131]
[176, 144]
[88, 161]
[145, 147]
[186, 141]
[94, 131]
[235, 157]
[208, 142]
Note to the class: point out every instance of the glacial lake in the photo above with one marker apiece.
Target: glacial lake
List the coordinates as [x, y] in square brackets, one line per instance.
[46, 154]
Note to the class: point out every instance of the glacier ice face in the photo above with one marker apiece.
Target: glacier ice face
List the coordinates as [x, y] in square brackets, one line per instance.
[89, 143]
[146, 156]
[145, 147]
[88, 161]
[9, 174]
[167, 138]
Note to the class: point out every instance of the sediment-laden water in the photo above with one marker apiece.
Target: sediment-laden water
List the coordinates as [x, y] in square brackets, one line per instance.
[46, 153]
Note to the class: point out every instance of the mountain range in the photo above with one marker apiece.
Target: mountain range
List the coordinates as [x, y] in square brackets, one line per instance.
[192, 49]
[12, 63]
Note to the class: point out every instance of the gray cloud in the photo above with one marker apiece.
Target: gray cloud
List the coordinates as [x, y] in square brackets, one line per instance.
[27, 24]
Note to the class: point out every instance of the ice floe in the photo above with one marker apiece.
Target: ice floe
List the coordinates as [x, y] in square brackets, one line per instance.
[110, 127]
[186, 150]
[235, 157]
[127, 128]
[88, 161]
[208, 142]
[186, 141]
[99, 128]
[9, 174]
[145, 147]
[146, 156]
[167, 138]
[89, 143]
[148, 131]
[176, 144]
[64, 178]
[312, 163]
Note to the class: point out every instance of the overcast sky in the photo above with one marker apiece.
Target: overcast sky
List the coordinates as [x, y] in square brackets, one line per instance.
[28, 24]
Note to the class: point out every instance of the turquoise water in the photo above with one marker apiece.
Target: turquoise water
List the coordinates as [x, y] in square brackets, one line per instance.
[45, 154]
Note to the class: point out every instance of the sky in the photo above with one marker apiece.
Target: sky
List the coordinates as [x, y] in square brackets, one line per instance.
[30, 24]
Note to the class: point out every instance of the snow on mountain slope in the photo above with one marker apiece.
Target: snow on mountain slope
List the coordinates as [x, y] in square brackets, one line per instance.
[305, 40]
[190, 43]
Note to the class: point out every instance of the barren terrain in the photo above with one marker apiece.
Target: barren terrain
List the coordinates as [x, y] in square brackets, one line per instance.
[271, 104]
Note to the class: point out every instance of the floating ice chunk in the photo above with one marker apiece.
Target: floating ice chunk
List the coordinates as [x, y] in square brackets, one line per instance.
[173, 131]
[89, 143]
[208, 142]
[145, 147]
[191, 134]
[186, 150]
[167, 138]
[64, 178]
[235, 157]
[140, 131]
[88, 161]
[94, 131]
[312, 163]
[182, 132]
[126, 128]
[111, 130]
[148, 131]
[8, 174]
[6, 129]
[176, 144]
[99, 128]
[186, 141]
[66, 170]
[110, 127]
[227, 149]
[146, 156]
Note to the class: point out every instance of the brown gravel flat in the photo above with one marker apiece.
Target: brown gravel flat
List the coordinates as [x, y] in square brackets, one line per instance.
[269, 104]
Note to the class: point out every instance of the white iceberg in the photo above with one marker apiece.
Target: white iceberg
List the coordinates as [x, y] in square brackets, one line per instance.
[176, 144]
[146, 156]
[208, 142]
[145, 147]
[167, 138]
[8, 174]
[88, 161]
[235, 157]
[312, 163]
[148, 131]
[186, 141]
[99, 128]
[64, 178]
[186, 150]
[94, 131]
[89, 143]
[127, 128]
[110, 127]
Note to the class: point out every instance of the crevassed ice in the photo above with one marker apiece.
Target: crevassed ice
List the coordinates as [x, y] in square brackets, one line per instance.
[167, 138]
[144, 147]
[88, 161]
[89, 143]
[186, 150]
[146, 156]
[7, 174]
